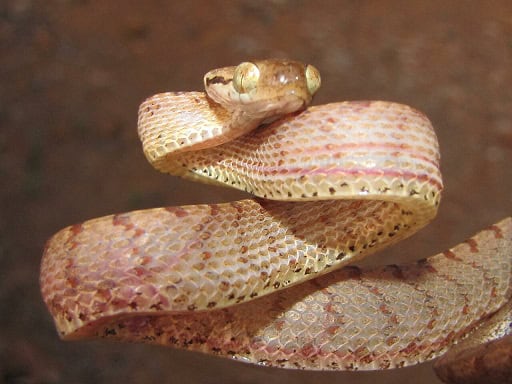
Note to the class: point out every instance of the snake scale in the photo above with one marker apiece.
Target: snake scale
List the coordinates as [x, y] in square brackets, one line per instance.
[267, 280]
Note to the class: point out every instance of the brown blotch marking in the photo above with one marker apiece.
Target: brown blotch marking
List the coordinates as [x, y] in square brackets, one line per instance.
[362, 354]
[207, 220]
[431, 324]
[180, 299]
[105, 294]
[411, 347]
[332, 330]
[465, 309]
[473, 246]
[211, 304]
[330, 308]
[198, 266]
[196, 245]
[424, 263]
[139, 232]
[392, 340]
[279, 324]
[73, 281]
[214, 209]
[224, 285]
[69, 318]
[396, 271]
[385, 309]
[139, 271]
[123, 220]
[217, 80]
[109, 332]
[206, 255]
[375, 291]
[498, 233]
[451, 255]
[332, 191]
[244, 249]
[76, 229]
[307, 350]
[205, 235]
[177, 211]
[324, 219]
[239, 207]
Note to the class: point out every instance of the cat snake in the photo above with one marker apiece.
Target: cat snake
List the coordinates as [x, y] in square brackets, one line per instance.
[270, 279]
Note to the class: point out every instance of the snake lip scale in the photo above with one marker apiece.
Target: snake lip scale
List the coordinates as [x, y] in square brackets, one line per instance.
[267, 280]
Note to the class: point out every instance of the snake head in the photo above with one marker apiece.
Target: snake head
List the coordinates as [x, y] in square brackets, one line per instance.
[264, 88]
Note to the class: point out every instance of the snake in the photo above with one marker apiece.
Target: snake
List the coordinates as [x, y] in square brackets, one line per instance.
[273, 279]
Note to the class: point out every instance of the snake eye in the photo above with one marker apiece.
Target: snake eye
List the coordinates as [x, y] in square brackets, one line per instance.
[313, 80]
[245, 77]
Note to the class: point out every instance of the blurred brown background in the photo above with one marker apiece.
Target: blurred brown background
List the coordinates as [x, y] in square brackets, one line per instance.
[72, 74]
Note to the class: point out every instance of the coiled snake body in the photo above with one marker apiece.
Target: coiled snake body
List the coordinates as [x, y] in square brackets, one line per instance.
[334, 183]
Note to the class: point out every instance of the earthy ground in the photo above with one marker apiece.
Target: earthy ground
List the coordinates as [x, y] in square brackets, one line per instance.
[72, 74]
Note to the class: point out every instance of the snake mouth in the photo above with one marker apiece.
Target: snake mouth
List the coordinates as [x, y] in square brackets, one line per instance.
[273, 109]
